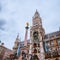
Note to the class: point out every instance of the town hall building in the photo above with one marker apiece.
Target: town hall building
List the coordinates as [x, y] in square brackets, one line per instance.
[40, 46]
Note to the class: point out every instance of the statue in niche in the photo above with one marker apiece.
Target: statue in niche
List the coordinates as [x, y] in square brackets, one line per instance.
[35, 57]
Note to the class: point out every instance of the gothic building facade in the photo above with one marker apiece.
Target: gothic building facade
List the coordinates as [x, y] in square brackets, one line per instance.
[40, 46]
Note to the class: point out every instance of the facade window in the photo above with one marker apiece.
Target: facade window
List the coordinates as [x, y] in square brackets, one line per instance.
[35, 50]
[49, 49]
[47, 44]
[52, 43]
[53, 48]
[35, 45]
[38, 50]
[59, 50]
[58, 42]
[46, 37]
[58, 34]
[51, 36]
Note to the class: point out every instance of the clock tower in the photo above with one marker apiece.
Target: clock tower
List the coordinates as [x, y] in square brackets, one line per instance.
[36, 37]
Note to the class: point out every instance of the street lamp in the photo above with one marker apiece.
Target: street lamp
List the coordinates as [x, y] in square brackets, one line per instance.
[1, 43]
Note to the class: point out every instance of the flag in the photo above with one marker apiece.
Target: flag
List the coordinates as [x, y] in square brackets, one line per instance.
[18, 50]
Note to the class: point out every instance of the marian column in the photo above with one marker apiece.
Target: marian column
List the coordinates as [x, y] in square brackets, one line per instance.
[26, 34]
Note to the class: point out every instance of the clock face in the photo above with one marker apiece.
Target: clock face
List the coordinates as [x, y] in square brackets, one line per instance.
[35, 35]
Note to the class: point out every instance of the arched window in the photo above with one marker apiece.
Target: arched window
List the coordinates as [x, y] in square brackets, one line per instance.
[35, 45]
[35, 57]
[35, 35]
[35, 50]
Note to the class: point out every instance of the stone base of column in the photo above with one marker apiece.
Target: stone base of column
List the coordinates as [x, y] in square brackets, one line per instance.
[42, 56]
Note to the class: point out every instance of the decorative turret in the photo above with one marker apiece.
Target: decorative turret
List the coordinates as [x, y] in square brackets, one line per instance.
[16, 44]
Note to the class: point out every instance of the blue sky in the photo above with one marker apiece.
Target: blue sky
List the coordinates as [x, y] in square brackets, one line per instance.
[15, 13]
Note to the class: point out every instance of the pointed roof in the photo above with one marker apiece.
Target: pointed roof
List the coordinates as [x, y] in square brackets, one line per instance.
[16, 41]
[17, 36]
[36, 14]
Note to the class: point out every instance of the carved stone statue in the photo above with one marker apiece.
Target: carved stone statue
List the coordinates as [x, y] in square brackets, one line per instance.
[35, 57]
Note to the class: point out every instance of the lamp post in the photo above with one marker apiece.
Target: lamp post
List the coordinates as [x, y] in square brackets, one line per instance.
[1, 43]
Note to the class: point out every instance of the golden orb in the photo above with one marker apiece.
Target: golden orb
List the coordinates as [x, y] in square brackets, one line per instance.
[27, 24]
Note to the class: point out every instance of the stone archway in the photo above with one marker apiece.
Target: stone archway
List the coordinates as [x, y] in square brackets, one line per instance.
[35, 57]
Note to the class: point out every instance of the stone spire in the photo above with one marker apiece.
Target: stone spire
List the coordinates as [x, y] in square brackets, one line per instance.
[36, 14]
[16, 43]
[37, 19]
[26, 34]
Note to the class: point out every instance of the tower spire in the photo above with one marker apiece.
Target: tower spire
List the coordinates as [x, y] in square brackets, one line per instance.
[16, 43]
[37, 19]
[17, 36]
[36, 14]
